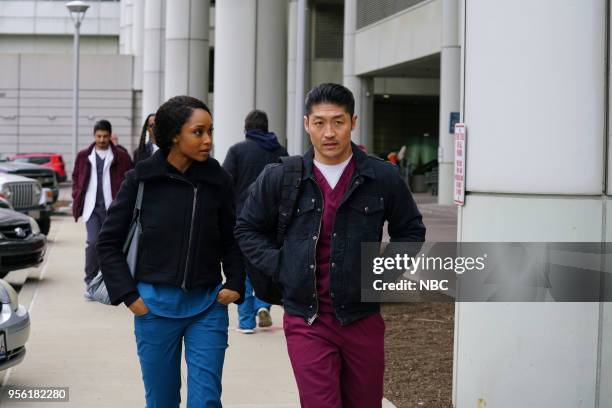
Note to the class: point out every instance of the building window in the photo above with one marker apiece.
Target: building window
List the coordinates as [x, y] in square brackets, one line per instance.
[328, 31]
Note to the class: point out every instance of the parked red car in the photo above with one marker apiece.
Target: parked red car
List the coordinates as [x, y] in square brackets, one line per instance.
[53, 161]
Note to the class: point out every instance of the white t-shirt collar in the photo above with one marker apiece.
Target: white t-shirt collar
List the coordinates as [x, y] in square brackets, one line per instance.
[102, 153]
[332, 172]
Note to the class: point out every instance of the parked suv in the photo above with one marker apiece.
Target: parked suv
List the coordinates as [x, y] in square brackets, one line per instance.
[46, 177]
[26, 196]
[54, 161]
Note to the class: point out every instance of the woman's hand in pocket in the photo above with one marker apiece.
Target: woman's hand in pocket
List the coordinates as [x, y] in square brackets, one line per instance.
[139, 308]
[227, 296]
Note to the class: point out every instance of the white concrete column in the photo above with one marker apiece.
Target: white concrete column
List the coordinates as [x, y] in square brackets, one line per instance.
[186, 59]
[450, 84]
[528, 182]
[250, 67]
[138, 40]
[295, 144]
[349, 79]
[365, 122]
[125, 26]
[271, 63]
[291, 65]
[153, 56]
[234, 71]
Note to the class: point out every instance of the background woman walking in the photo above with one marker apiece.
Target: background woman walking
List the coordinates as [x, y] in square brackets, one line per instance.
[177, 295]
[146, 145]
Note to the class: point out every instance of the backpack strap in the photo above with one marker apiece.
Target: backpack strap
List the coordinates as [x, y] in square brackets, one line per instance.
[292, 178]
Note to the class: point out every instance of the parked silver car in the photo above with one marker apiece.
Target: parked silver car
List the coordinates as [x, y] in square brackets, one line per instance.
[14, 327]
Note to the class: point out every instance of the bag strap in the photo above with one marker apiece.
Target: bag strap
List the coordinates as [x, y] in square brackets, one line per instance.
[139, 195]
[135, 217]
[292, 178]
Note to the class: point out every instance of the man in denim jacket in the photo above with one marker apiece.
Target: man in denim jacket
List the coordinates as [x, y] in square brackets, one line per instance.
[335, 341]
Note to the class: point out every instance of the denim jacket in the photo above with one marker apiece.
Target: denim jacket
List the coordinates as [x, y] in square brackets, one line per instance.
[376, 194]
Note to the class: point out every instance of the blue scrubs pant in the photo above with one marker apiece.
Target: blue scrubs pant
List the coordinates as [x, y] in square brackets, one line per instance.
[159, 341]
[249, 307]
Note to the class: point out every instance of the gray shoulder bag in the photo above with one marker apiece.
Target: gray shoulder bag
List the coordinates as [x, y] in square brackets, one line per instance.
[97, 288]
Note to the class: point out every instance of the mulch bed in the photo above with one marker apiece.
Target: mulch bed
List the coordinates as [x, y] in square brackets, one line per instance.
[419, 354]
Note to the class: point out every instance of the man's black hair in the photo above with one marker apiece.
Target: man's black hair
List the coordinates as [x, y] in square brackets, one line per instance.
[170, 118]
[256, 120]
[330, 93]
[103, 124]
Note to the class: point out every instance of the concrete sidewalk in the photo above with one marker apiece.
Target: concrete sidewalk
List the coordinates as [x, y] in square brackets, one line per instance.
[440, 220]
[90, 347]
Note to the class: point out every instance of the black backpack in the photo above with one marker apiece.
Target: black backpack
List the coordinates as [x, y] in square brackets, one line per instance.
[266, 288]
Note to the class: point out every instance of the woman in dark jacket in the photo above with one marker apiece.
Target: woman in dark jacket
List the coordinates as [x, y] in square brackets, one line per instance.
[177, 294]
[146, 148]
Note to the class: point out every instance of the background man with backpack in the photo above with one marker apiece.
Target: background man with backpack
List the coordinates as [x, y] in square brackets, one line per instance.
[245, 161]
[343, 197]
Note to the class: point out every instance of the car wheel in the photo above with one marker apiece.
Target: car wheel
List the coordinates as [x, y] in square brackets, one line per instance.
[45, 225]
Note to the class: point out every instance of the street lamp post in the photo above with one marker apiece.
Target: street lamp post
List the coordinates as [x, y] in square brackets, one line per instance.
[77, 11]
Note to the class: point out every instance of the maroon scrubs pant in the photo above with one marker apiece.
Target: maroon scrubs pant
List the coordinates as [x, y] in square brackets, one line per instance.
[337, 366]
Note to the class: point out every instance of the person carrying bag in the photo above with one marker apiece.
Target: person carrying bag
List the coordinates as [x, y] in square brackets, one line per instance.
[177, 293]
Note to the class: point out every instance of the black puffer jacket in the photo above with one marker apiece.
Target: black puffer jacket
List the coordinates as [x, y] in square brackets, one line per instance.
[187, 222]
[245, 161]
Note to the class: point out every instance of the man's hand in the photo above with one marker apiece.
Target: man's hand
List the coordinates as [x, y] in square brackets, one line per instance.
[139, 308]
[227, 296]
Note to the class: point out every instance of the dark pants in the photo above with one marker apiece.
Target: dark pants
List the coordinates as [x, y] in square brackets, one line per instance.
[93, 225]
[337, 366]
